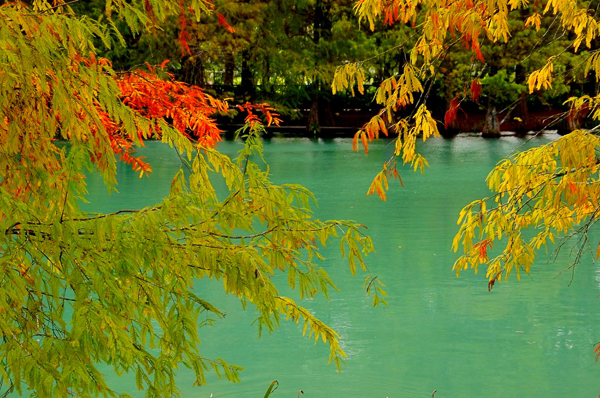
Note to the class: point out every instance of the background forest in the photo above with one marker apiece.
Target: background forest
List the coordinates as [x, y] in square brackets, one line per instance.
[285, 53]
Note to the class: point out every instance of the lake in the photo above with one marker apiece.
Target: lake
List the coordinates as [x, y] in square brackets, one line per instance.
[529, 338]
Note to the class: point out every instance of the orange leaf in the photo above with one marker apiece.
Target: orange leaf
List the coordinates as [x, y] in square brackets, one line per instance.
[355, 141]
[382, 127]
[164, 63]
[475, 46]
[397, 176]
[365, 144]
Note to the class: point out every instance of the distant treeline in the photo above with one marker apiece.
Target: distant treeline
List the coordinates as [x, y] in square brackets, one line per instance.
[285, 52]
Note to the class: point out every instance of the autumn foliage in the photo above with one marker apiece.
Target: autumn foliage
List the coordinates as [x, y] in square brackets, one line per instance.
[186, 108]
[157, 96]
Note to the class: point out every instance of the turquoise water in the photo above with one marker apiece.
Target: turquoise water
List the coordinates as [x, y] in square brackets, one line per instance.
[528, 338]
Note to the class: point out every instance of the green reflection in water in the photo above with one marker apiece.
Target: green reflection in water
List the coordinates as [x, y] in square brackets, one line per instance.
[532, 338]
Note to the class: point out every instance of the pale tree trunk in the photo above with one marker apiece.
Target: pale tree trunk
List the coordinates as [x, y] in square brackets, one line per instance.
[574, 119]
[492, 124]
[521, 110]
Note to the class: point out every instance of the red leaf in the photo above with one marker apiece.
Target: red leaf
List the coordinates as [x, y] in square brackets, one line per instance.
[597, 351]
[183, 42]
[223, 22]
[149, 11]
[475, 46]
[482, 247]
[450, 116]
[183, 35]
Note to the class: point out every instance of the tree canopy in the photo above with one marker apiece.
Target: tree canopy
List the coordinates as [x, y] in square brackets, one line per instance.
[80, 290]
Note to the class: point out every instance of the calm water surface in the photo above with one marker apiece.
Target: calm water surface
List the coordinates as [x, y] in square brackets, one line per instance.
[528, 338]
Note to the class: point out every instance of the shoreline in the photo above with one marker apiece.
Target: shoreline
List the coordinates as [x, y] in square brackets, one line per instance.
[349, 132]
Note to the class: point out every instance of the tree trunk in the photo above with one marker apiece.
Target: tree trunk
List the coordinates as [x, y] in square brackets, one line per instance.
[317, 28]
[521, 116]
[521, 110]
[574, 119]
[229, 69]
[192, 71]
[492, 124]
[328, 114]
[313, 125]
[247, 84]
[265, 83]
